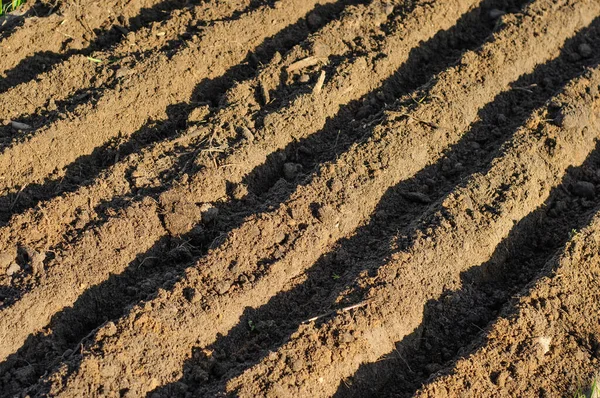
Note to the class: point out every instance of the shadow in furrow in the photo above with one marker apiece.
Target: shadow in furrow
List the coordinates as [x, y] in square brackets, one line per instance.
[86, 168]
[9, 23]
[455, 324]
[267, 328]
[30, 67]
[72, 327]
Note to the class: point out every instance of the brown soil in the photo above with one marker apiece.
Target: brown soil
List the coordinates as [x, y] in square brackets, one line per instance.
[294, 198]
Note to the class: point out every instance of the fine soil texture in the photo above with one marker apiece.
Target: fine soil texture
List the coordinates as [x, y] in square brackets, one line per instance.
[300, 198]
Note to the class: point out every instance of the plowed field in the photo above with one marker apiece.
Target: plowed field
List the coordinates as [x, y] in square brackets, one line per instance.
[300, 198]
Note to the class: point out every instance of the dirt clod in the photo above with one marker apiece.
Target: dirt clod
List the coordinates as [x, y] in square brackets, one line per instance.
[585, 50]
[584, 189]
[291, 170]
[12, 269]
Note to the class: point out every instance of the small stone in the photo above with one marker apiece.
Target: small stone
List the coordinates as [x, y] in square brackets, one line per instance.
[110, 329]
[585, 50]
[496, 13]
[584, 189]
[13, 269]
[191, 295]
[209, 213]
[20, 126]
[304, 78]
[280, 236]
[276, 57]
[544, 344]
[291, 170]
[223, 287]
[131, 37]
[501, 118]
[321, 50]
[574, 57]
[5, 260]
[314, 20]
[336, 185]
[297, 365]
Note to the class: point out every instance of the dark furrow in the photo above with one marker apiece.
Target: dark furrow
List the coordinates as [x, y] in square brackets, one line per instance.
[86, 168]
[263, 330]
[110, 299]
[459, 317]
[30, 67]
[107, 328]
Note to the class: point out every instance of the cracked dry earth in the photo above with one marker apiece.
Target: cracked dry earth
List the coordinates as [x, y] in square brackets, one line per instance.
[300, 198]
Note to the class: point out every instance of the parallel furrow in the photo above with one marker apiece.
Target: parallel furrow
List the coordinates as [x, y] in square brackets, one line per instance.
[61, 272]
[36, 102]
[73, 26]
[554, 325]
[462, 231]
[288, 240]
[168, 81]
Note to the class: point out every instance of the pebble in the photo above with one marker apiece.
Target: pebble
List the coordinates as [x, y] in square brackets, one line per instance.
[110, 329]
[291, 170]
[280, 237]
[585, 50]
[584, 189]
[13, 269]
[37, 260]
[20, 126]
[209, 213]
[501, 118]
[297, 365]
[192, 295]
[314, 20]
[223, 287]
[304, 78]
[5, 260]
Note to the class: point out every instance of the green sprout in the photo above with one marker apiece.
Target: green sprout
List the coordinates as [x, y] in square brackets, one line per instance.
[592, 392]
[10, 6]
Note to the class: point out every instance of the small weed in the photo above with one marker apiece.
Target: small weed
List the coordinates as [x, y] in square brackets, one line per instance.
[336, 276]
[592, 392]
[252, 326]
[12, 5]
[96, 60]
